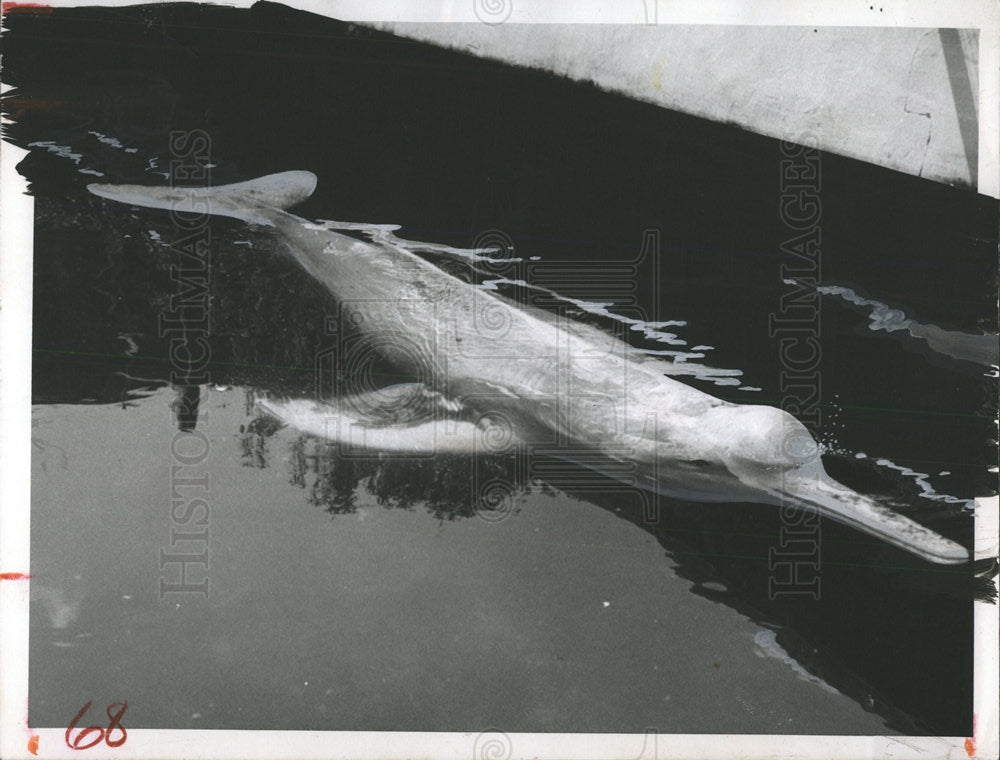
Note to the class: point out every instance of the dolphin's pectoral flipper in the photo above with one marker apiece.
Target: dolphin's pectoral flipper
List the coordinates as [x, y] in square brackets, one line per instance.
[405, 418]
[248, 201]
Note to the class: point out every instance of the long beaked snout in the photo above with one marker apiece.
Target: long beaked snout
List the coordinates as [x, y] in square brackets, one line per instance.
[838, 502]
[773, 452]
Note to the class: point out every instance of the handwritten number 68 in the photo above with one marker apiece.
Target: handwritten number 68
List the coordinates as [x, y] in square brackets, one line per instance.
[114, 722]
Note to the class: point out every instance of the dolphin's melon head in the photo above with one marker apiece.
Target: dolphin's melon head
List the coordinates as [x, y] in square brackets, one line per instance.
[761, 445]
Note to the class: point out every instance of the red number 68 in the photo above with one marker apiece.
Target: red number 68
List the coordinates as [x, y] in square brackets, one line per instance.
[114, 721]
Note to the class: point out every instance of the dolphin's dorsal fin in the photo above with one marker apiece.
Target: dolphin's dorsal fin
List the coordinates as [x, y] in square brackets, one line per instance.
[249, 201]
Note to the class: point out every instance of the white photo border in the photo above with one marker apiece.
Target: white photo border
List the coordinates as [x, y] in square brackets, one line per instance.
[17, 740]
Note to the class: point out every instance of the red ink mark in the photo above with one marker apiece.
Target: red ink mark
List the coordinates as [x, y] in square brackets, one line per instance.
[33, 745]
[114, 722]
[11, 6]
[77, 743]
[970, 744]
[14, 576]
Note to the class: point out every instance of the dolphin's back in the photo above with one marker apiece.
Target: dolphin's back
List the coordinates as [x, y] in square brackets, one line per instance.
[249, 201]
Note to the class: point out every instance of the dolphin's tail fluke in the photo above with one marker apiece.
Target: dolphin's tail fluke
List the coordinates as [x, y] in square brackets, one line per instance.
[248, 201]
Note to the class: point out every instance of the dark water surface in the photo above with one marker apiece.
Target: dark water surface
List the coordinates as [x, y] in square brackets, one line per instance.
[378, 593]
[560, 617]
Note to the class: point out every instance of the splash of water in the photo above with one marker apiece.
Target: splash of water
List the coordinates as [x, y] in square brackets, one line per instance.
[651, 331]
[64, 151]
[927, 491]
[680, 363]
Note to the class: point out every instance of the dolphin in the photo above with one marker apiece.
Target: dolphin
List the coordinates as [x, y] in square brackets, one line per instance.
[492, 374]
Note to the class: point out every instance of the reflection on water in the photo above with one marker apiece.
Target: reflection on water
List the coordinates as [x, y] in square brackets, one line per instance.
[722, 549]
[766, 640]
[61, 606]
[186, 407]
[446, 484]
[982, 350]
[312, 622]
